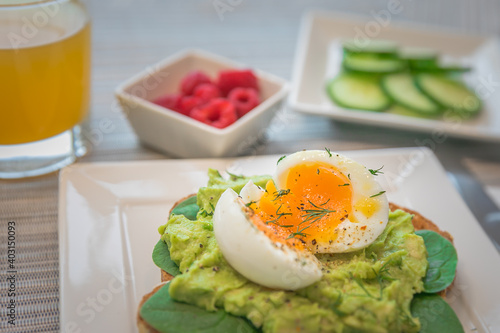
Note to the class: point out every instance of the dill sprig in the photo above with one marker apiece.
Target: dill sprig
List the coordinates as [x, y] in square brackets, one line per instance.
[376, 195]
[317, 213]
[206, 213]
[280, 193]
[380, 276]
[346, 184]
[376, 171]
[282, 157]
[360, 283]
[278, 216]
[299, 232]
[329, 152]
[335, 306]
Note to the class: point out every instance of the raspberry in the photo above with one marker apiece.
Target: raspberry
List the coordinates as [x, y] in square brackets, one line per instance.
[231, 79]
[188, 103]
[192, 80]
[206, 91]
[244, 100]
[170, 101]
[219, 113]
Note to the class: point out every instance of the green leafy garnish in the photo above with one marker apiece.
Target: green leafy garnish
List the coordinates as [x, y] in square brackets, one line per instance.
[278, 216]
[168, 316]
[161, 258]
[360, 283]
[381, 276]
[316, 214]
[299, 232]
[435, 315]
[280, 193]
[376, 171]
[188, 208]
[329, 152]
[335, 306]
[282, 157]
[206, 213]
[442, 258]
[376, 195]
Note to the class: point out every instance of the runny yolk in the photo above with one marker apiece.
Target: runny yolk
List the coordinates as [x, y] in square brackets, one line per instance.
[316, 199]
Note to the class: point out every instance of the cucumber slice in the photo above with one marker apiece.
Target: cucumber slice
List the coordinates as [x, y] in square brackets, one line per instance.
[430, 67]
[369, 63]
[356, 91]
[373, 46]
[401, 89]
[403, 111]
[419, 54]
[449, 94]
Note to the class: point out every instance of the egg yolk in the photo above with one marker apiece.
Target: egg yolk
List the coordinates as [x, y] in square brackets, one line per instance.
[316, 199]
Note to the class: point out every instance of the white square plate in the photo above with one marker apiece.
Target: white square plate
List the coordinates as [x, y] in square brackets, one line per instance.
[318, 58]
[109, 215]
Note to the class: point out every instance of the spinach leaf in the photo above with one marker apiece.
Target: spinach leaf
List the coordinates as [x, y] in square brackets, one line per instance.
[161, 258]
[169, 316]
[442, 258]
[188, 208]
[435, 315]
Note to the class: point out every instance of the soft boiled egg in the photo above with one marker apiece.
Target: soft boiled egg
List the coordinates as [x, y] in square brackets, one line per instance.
[317, 202]
[251, 249]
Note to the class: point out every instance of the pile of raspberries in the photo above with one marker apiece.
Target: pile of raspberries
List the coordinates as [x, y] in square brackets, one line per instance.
[218, 103]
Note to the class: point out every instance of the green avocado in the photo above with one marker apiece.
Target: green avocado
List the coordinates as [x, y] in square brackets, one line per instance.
[369, 290]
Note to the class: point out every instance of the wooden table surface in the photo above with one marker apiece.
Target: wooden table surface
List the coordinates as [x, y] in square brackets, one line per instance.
[129, 35]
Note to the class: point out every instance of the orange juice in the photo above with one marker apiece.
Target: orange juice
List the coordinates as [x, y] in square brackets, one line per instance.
[44, 79]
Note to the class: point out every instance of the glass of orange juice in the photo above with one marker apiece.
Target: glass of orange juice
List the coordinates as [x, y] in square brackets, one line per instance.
[44, 85]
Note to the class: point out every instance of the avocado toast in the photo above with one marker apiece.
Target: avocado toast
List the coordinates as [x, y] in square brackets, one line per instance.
[369, 290]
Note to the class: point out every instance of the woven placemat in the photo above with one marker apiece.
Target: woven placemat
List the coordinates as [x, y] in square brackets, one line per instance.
[30, 209]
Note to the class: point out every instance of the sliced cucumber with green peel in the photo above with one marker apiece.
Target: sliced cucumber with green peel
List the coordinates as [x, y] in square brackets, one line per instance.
[449, 94]
[356, 91]
[373, 46]
[369, 63]
[419, 57]
[403, 111]
[437, 69]
[402, 90]
[419, 54]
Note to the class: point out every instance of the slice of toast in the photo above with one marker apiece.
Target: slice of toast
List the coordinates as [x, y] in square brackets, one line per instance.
[419, 223]
[142, 325]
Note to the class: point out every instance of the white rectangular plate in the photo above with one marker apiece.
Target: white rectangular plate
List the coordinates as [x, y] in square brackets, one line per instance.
[317, 60]
[109, 215]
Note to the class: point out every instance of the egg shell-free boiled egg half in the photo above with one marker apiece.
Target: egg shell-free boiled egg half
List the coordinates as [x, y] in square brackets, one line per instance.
[317, 202]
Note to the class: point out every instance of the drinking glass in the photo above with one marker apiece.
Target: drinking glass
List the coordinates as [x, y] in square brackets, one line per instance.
[44, 85]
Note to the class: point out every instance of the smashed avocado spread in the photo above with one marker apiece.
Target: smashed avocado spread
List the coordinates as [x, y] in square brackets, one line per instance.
[369, 290]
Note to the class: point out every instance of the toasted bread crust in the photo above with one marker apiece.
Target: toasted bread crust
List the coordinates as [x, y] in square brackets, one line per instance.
[179, 201]
[142, 325]
[419, 223]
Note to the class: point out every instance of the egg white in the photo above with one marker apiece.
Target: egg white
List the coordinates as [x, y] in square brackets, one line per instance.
[353, 233]
[255, 256]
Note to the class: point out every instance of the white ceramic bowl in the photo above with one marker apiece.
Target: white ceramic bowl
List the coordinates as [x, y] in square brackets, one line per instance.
[179, 135]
